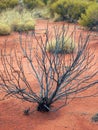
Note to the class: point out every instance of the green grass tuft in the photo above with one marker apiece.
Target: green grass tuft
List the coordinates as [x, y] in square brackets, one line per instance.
[61, 46]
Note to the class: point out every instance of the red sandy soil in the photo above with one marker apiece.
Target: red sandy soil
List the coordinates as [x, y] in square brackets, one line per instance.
[75, 116]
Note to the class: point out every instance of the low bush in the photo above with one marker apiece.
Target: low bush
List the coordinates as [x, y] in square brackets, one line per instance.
[18, 21]
[90, 18]
[5, 29]
[69, 10]
[61, 46]
[58, 8]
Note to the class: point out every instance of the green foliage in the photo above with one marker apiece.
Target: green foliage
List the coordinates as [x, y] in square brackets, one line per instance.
[90, 18]
[18, 26]
[2, 5]
[8, 4]
[41, 13]
[52, 1]
[5, 29]
[58, 7]
[30, 25]
[12, 3]
[69, 9]
[31, 4]
[61, 46]
[45, 1]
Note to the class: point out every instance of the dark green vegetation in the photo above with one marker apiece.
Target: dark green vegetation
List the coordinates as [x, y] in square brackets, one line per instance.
[4, 4]
[68, 9]
[90, 18]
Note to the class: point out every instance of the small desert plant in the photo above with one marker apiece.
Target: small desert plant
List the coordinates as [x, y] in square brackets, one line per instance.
[61, 46]
[5, 29]
[60, 77]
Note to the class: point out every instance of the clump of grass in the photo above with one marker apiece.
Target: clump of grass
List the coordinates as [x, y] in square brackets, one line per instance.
[30, 25]
[61, 46]
[5, 29]
[21, 26]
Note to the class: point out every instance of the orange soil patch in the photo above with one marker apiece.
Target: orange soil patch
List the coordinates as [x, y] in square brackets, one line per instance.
[75, 116]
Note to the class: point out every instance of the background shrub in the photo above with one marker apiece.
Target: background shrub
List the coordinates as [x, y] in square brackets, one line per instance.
[12, 3]
[8, 4]
[90, 18]
[31, 4]
[4, 29]
[41, 13]
[58, 8]
[68, 9]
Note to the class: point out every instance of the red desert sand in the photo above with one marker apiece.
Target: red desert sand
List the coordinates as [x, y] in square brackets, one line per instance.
[75, 116]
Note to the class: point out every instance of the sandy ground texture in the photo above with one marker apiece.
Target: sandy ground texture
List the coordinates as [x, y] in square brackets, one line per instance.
[75, 116]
